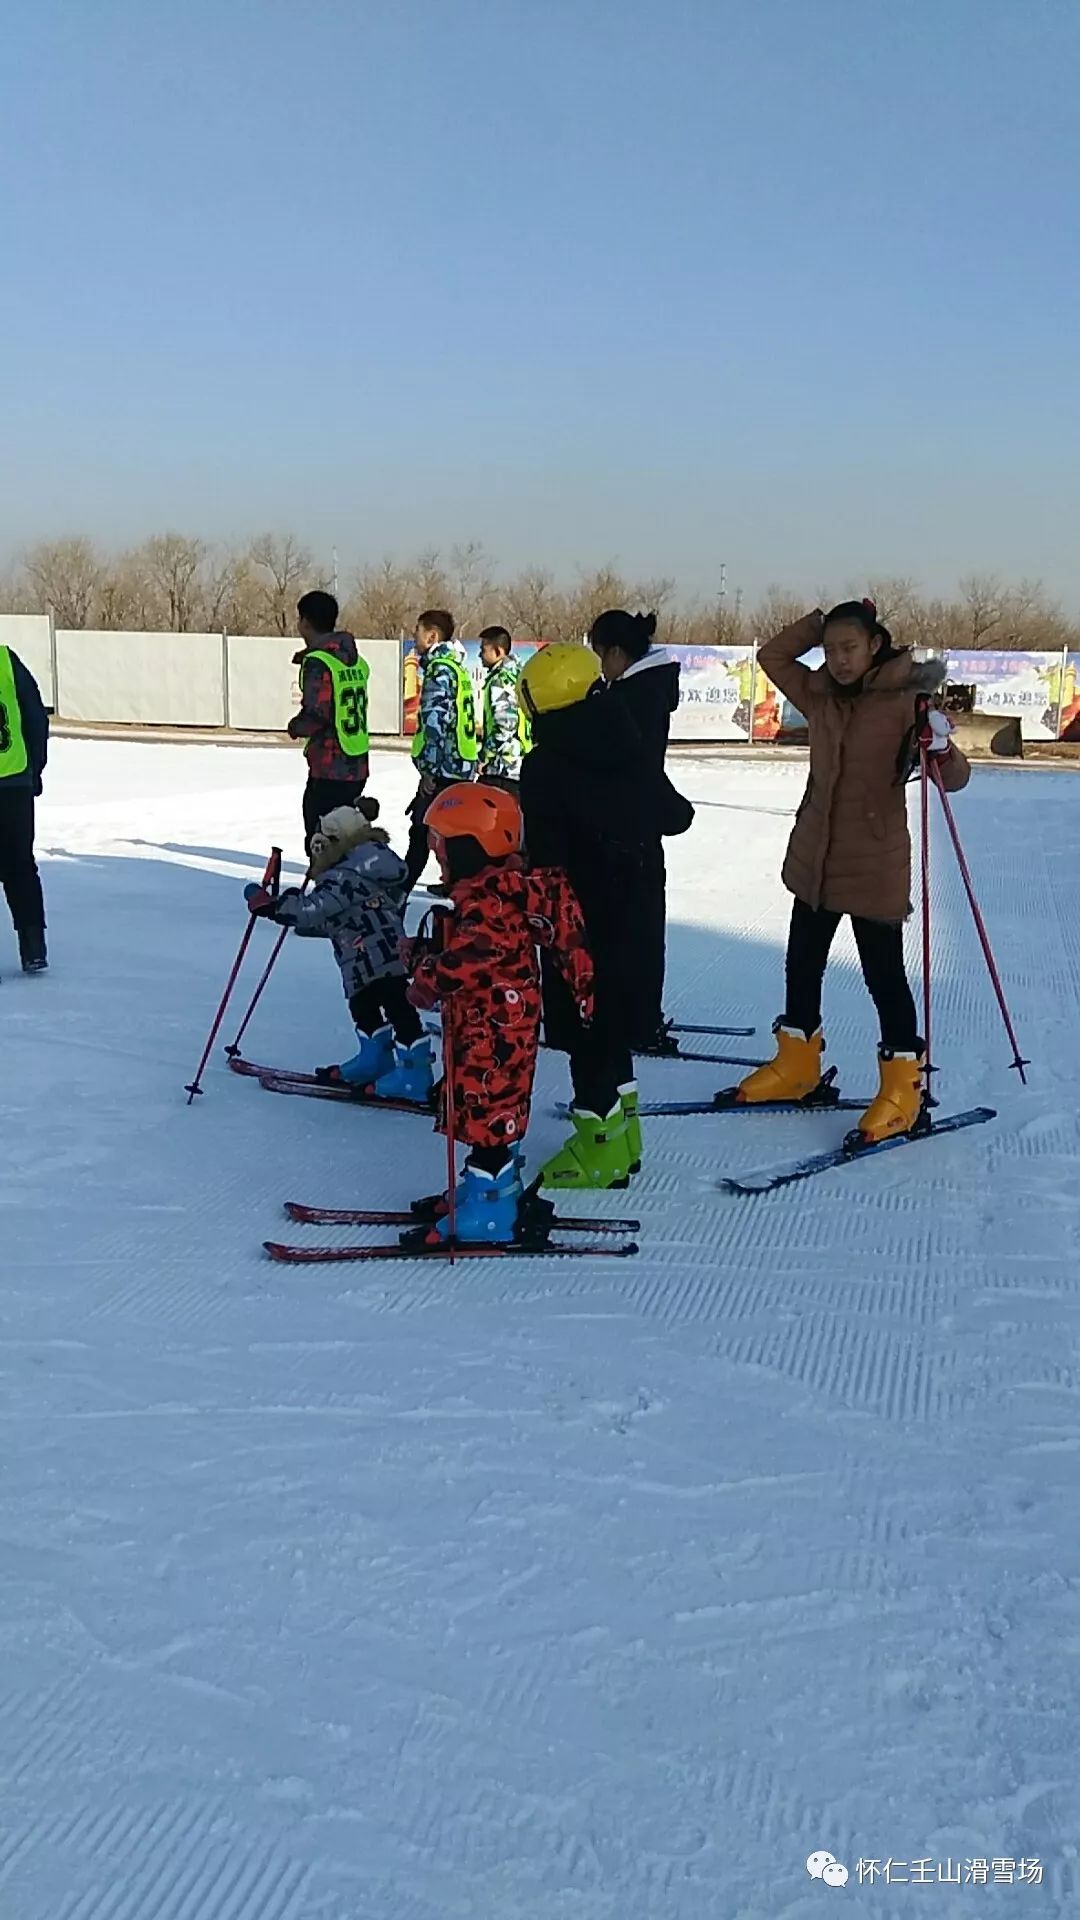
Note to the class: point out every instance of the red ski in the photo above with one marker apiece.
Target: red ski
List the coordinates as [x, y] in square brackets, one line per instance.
[328, 1256]
[370, 1217]
[312, 1089]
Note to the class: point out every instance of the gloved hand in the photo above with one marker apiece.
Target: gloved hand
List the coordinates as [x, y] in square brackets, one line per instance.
[940, 730]
[264, 904]
[421, 995]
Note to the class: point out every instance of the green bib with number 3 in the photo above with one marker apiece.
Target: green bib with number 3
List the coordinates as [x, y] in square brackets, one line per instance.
[350, 702]
[14, 758]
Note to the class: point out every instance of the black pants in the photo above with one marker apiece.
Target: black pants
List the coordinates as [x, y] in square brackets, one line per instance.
[599, 1066]
[384, 1003]
[652, 948]
[322, 796]
[18, 868]
[881, 953]
[416, 854]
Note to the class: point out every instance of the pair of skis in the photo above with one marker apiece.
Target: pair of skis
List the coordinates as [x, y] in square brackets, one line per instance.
[609, 1241]
[310, 1087]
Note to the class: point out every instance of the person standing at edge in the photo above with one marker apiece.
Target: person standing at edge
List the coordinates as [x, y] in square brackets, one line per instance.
[645, 679]
[445, 747]
[850, 848]
[507, 735]
[24, 746]
[333, 716]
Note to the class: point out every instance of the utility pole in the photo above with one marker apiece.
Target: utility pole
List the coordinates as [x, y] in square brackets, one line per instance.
[335, 572]
[723, 583]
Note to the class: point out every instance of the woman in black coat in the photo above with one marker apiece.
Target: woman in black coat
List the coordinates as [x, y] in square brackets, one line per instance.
[593, 806]
[644, 680]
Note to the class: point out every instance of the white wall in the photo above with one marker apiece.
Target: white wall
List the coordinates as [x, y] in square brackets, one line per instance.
[30, 636]
[384, 687]
[264, 686]
[152, 679]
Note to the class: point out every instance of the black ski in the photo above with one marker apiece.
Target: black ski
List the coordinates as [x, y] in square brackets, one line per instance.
[344, 1096]
[729, 1033]
[660, 1108]
[328, 1256]
[370, 1217]
[769, 1178]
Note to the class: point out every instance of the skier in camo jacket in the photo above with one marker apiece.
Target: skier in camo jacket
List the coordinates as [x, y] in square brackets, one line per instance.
[506, 736]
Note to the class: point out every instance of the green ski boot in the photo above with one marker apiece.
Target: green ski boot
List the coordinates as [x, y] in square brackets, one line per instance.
[628, 1100]
[596, 1155]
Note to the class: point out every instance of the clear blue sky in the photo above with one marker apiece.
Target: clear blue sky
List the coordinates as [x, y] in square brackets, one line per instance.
[786, 283]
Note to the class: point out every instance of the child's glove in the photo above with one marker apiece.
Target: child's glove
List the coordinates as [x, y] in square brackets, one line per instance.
[259, 901]
[422, 995]
[940, 732]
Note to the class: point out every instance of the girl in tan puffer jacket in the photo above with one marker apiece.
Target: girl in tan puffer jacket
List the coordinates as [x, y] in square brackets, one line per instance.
[850, 851]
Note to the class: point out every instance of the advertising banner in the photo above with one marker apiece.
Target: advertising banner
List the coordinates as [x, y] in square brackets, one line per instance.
[1070, 699]
[1025, 685]
[714, 685]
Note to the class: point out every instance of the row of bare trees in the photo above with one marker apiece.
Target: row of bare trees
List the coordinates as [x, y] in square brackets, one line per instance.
[174, 583]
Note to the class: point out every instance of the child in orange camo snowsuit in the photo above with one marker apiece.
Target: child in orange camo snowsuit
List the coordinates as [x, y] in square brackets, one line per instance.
[483, 967]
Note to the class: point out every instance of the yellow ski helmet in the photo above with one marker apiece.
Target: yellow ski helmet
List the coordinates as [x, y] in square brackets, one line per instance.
[557, 676]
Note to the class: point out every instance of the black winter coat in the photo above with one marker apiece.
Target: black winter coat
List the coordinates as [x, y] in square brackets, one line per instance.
[592, 807]
[649, 691]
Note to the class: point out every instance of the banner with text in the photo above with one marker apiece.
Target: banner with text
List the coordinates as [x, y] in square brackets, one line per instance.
[1025, 685]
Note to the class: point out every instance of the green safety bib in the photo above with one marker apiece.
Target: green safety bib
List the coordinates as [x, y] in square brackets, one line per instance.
[350, 702]
[524, 727]
[467, 744]
[14, 758]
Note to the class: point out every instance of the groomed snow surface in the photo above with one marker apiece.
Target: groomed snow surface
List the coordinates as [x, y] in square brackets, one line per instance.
[543, 1591]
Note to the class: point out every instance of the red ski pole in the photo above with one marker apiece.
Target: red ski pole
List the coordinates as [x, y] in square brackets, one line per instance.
[269, 879]
[232, 1051]
[450, 1107]
[1017, 1060]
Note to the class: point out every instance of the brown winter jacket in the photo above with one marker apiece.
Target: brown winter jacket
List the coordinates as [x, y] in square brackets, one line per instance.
[850, 850]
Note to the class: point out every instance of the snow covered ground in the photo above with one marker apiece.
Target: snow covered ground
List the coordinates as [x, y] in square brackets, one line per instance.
[538, 1591]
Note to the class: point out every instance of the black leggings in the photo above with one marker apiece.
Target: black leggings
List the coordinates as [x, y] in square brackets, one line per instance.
[416, 853]
[881, 953]
[383, 1003]
[598, 1068]
[19, 876]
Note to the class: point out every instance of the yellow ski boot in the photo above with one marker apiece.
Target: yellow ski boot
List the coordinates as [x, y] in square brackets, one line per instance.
[899, 1100]
[791, 1075]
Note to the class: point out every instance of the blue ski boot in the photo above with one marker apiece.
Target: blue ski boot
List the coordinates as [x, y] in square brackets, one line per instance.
[435, 1205]
[373, 1059]
[485, 1209]
[411, 1078]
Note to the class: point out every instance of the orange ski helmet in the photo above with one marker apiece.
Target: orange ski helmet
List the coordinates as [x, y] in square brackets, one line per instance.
[488, 815]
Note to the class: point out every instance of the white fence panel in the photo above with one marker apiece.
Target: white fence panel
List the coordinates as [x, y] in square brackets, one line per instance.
[30, 636]
[385, 685]
[145, 679]
[264, 686]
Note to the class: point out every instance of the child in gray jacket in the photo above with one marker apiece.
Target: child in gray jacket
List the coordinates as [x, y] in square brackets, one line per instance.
[356, 900]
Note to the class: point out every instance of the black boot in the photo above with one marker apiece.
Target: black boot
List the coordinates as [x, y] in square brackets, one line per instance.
[32, 952]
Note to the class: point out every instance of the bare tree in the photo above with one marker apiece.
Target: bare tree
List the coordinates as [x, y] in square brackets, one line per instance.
[383, 601]
[172, 562]
[471, 587]
[282, 568]
[777, 608]
[64, 576]
[981, 598]
[532, 606]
